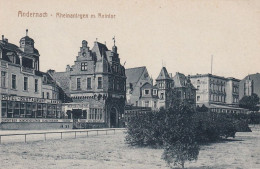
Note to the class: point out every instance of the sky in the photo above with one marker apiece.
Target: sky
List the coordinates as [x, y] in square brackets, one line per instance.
[183, 35]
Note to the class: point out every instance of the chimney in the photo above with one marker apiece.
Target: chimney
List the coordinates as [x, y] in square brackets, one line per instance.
[68, 68]
[170, 74]
[6, 40]
[3, 37]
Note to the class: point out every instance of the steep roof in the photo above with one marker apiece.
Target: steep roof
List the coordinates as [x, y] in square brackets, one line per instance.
[9, 46]
[62, 78]
[163, 74]
[148, 86]
[133, 74]
[255, 77]
[256, 83]
[179, 80]
[99, 50]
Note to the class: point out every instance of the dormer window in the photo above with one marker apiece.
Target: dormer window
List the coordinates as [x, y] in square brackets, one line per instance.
[11, 57]
[146, 92]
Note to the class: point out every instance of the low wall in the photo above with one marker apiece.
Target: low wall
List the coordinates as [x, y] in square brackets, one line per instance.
[35, 126]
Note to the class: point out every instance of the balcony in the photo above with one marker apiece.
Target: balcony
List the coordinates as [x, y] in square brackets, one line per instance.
[27, 70]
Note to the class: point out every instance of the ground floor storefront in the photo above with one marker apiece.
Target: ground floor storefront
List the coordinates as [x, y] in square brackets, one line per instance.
[19, 112]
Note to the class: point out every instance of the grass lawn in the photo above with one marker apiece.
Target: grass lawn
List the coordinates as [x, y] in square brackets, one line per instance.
[110, 152]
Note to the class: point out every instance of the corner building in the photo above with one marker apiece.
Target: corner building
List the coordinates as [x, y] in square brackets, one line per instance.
[218, 93]
[96, 84]
[29, 99]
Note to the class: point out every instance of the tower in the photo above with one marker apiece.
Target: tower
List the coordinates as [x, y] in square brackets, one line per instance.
[27, 46]
[164, 83]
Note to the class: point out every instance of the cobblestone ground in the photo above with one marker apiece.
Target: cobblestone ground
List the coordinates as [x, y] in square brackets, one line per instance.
[110, 152]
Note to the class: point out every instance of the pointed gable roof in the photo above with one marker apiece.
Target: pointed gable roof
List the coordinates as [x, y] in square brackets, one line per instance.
[148, 86]
[99, 50]
[134, 74]
[163, 75]
[179, 80]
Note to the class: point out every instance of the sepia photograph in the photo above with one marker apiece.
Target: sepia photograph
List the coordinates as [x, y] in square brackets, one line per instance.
[127, 84]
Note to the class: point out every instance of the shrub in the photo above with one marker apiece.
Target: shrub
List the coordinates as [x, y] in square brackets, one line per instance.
[181, 130]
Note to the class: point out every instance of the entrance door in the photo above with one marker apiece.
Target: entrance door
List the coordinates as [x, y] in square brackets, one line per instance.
[113, 118]
[76, 114]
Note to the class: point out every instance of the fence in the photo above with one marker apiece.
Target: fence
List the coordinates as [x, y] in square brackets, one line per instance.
[61, 133]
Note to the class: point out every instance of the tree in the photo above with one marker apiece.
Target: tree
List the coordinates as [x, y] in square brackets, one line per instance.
[180, 152]
[250, 102]
[180, 139]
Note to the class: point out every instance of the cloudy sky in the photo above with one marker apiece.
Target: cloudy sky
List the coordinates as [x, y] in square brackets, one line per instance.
[180, 35]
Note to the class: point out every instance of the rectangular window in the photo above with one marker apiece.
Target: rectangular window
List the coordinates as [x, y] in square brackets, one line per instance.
[25, 83]
[162, 95]
[43, 95]
[36, 85]
[155, 104]
[48, 95]
[99, 82]
[16, 109]
[146, 92]
[13, 81]
[198, 87]
[84, 66]
[154, 92]
[88, 83]
[3, 79]
[198, 98]
[22, 111]
[39, 110]
[78, 84]
[4, 108]
[146, 103]
[101, 112]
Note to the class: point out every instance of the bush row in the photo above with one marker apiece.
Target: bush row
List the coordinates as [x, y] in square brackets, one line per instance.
[155, 128]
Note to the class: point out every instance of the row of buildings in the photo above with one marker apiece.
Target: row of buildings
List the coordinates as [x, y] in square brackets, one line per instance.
[91, 91]
[98, 91]
[220, 94]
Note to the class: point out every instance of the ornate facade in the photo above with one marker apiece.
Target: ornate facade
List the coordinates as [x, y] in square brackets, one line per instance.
[96, 83]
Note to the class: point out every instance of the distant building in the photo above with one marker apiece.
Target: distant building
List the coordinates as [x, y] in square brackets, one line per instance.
[133, 111]
[216, 91]
[136, 78]
[149, 96]
[165, 85]
[249, 85]
[183, 89]
[162, 94]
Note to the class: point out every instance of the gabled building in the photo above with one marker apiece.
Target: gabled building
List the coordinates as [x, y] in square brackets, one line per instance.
[183, 89]
[165, 85]
[96, 84]
[249, 85]
[149, 96]
[136, 78]
[162, 94]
